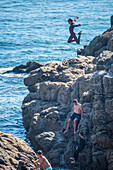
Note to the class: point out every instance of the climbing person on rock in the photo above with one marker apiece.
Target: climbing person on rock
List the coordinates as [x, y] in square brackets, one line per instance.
[43, 162]
[73, 36]
[79, 148]
[76, 115]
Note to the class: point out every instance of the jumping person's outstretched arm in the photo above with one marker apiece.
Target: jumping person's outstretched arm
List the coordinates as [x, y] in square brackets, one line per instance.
[75, 19]
[76, 25]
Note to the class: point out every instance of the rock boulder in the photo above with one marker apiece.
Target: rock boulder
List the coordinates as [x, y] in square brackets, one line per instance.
[15, 153]
[99, 44]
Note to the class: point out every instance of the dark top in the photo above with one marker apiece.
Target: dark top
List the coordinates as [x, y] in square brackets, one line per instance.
[71, 28]
[81, 143]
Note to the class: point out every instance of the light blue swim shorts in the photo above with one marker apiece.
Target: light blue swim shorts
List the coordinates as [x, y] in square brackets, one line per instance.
[49, 168]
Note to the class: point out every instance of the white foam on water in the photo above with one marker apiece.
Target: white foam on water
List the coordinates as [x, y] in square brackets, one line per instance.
[53, 62]
[11, 74]
[74, 54]
[2, 70]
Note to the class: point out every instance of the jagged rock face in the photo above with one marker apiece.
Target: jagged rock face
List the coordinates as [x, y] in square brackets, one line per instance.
[15, 153]
[68, 70]
[104, 61]
[99, 44]
[48, 106]
[101, 140]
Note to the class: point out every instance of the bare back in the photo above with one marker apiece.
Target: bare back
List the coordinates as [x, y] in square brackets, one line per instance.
[45, 162]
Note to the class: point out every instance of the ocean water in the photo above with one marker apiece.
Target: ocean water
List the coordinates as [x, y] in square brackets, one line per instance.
[37, 30]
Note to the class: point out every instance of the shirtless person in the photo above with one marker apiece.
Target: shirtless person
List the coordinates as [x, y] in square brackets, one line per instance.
[43, 161]
[76, 115]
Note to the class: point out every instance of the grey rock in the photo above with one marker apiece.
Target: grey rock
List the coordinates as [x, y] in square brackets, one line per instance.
[30, 66]
[15, 153]
[99, 44]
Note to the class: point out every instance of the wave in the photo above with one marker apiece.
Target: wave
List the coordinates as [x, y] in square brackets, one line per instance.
[14, 75]
[2, 70]
[4, 73]
[52, 62]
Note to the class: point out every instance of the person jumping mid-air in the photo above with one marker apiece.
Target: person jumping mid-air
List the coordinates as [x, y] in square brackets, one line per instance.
[73, 36]
[76, 116]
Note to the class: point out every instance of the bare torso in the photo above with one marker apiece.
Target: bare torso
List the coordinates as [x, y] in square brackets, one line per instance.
[77, 108]
[45, 162]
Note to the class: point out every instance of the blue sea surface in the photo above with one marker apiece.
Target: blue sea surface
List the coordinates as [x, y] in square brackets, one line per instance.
[37, 30]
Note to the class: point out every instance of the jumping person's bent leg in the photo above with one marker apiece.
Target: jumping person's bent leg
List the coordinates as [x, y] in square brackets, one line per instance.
[68, 124]
[71, 38]
[78, 39]
[72, 41]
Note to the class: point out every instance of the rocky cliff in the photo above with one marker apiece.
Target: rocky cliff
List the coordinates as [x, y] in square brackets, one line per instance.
[15, 154]
[99, 44]
[48, 106]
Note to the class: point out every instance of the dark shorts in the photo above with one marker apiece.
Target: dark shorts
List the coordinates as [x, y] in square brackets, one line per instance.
[75, 116]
